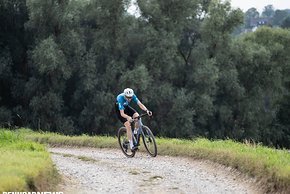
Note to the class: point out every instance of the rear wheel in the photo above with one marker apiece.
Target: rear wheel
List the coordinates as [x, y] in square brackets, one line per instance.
[124, 143]
[149, 141]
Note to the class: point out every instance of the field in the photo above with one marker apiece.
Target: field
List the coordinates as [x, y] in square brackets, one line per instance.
[270, 167]
[24, 165]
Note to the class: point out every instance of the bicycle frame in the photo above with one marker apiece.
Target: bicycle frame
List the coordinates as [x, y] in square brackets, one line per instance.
[139, 130]
[142, 131]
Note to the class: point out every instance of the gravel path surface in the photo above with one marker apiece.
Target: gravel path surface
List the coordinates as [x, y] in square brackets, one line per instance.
[91, 170]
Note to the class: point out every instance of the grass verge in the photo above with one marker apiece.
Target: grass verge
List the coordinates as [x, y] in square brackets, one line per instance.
[24, 165]
[270, 167]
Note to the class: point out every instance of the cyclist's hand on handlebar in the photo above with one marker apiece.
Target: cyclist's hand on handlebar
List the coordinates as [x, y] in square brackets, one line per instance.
[149, 113]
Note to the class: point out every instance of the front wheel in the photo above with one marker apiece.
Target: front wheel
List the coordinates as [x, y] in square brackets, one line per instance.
[124, 143]
[149, 141]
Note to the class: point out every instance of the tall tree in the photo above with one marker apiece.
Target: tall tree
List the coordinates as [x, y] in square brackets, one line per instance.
[268, 11]
[5, 76]
[106, 26]
[267, 78]
[279, 17]
[14, 42]
[250, 15]
[286, 22]
[63, 62]
[54, 58]
[216, 35]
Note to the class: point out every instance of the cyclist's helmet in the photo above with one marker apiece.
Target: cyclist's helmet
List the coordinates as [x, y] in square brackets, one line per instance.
[129, 92]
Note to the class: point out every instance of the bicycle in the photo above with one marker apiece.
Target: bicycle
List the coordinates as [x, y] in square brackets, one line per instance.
[144, 132]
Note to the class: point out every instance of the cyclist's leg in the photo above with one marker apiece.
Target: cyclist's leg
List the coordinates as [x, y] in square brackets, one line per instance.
[124, 121]
[136, 123]
[127, 124]
[131, 112]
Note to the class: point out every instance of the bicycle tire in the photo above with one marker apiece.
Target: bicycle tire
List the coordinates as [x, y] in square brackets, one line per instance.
[123, 142]
[149, 141]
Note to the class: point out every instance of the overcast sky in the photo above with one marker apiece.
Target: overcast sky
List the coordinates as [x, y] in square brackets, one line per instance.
[260, 4]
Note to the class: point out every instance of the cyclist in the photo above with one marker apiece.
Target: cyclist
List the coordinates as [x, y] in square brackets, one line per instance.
[126, 113]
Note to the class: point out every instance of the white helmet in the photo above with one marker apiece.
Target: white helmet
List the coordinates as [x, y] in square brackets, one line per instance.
[129, 92]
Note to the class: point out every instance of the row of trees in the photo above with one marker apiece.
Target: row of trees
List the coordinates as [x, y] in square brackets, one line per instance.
[63, 62]
[280, 18]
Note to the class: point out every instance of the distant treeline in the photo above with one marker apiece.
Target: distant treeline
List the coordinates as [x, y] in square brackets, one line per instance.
[63, 62]
[268, 17]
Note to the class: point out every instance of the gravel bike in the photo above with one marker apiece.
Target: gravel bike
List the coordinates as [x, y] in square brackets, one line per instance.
[144, 132]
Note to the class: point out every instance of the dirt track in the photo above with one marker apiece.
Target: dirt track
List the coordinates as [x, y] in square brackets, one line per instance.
[90, 170]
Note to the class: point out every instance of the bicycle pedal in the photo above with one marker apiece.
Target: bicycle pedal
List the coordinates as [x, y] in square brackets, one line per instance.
[134, 149]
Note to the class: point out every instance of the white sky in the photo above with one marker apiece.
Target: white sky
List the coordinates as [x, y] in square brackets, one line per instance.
[260, 4]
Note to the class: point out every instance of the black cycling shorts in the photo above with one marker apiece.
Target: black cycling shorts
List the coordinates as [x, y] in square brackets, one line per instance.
[128, 111]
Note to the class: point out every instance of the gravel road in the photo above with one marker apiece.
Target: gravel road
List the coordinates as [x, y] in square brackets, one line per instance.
[91, 170]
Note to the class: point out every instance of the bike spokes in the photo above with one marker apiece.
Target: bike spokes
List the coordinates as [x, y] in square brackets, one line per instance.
[124, 142]
[125, 145]
[149, 141]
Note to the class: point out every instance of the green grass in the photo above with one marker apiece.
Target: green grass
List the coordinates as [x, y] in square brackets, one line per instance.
[62, 140]
[270, 167]
[83, 158]
[24, 165]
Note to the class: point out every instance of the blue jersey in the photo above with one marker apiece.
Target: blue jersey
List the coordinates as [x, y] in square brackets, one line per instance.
[122, 101]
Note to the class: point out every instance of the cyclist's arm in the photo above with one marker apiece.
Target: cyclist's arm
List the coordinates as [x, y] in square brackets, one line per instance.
[124, 115]
[142, 106]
